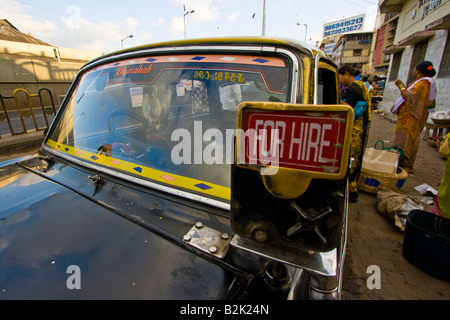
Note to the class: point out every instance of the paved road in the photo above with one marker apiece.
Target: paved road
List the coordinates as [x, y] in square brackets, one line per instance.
[374, 240]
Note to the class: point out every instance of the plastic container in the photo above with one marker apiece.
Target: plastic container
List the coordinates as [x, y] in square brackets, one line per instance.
[426, 243]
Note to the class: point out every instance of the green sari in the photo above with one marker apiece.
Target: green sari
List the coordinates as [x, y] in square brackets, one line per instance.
[442, 205]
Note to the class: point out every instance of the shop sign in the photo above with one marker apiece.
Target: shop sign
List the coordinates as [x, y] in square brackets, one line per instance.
[343, 26]
[426, 7]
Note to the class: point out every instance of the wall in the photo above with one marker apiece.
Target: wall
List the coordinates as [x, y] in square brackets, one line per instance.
[410, 20]
[32, 67]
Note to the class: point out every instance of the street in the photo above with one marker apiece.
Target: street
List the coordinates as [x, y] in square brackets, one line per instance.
[374, 241]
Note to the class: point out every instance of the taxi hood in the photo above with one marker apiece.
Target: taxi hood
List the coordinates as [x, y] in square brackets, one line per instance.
[58, 244]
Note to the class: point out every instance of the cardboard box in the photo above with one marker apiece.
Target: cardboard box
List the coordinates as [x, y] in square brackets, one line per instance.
[383, 161]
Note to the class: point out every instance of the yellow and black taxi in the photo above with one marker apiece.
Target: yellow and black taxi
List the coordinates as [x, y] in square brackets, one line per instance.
[196, 169]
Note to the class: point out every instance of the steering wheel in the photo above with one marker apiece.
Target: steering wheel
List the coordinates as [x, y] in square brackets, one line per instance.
[118, 135]
[153, 140]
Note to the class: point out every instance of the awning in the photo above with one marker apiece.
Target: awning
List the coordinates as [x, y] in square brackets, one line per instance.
[441, 23]
[393, 49]
[416, 37]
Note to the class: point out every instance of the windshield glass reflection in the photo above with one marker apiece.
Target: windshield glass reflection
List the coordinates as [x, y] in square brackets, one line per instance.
[175, 114]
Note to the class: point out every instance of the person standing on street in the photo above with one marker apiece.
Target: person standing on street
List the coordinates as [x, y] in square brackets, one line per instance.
[368, 86]
[352, 93]
[381, 84]
[412, 109]
[375, 86]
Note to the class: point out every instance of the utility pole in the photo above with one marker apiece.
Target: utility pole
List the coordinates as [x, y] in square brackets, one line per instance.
[129, 36]
[264, 19]
[306, 28]
[184, 18]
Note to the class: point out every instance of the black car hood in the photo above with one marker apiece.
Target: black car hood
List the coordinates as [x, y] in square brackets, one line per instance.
[46, 228]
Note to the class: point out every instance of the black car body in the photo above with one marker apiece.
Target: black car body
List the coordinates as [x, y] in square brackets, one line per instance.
[139, 190]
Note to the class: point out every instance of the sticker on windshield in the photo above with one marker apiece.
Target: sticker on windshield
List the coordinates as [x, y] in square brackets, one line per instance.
[137, 96]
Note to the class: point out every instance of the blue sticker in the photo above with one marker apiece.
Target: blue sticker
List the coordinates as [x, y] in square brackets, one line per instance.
[203, 186]
[138, 169]
[260, 60]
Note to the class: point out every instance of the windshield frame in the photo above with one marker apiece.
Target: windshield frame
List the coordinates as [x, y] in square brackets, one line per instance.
[295, 74]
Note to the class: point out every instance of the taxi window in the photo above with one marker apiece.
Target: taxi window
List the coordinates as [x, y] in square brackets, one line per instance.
[327, 84]
[168, 118]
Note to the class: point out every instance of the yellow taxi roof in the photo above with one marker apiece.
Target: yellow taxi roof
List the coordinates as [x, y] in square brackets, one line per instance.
[238, 41]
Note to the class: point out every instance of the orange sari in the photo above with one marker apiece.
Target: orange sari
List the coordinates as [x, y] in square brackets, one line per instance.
[411, 118]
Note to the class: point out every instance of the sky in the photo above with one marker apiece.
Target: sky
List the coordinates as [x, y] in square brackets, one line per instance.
[103, 26]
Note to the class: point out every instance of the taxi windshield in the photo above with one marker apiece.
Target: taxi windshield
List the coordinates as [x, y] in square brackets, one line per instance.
[168, 118]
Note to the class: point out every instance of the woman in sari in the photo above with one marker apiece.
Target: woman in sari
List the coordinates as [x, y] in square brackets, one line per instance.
[352, 92]
[412, 109]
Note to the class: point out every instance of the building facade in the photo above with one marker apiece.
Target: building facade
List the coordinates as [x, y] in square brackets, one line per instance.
[353, 49]
[421, 33]
[384, 38]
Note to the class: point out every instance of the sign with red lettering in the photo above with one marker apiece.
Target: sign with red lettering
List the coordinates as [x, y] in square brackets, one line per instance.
[295, 139]
[133, 69]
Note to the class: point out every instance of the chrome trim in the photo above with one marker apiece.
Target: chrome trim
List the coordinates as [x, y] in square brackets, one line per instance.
[316, 294]
[294, 74]
[145, 183]
[316, 74]
[321, 263]
[324, 288]
[316, 78]
[343, 250]
[299, 279]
